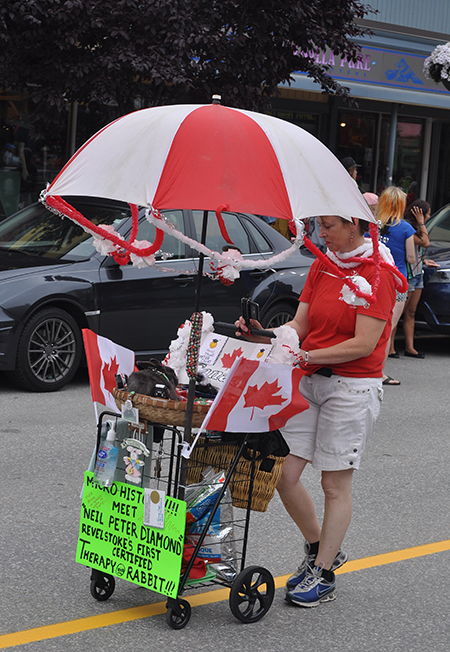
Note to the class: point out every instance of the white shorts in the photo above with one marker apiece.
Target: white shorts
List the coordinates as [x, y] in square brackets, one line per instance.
[333, 431]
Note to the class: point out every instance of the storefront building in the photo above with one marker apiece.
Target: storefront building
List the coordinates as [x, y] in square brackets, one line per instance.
[400, 131]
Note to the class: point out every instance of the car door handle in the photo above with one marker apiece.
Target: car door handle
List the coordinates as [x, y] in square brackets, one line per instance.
[259, 273]
[183, 281]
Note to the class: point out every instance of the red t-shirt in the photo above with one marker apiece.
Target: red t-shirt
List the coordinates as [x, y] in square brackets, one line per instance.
[332, 320]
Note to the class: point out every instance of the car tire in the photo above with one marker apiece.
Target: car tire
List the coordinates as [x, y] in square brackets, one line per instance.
[277, 315]
[49, 351]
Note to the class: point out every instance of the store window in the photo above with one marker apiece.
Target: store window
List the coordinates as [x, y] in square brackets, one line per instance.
[357, 138]
[407, 158]
[27, 162]
[441, 184]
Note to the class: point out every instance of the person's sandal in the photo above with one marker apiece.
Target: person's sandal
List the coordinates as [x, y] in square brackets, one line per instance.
[391, 381]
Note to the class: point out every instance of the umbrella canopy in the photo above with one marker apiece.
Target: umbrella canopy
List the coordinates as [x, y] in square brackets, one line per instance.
[212, 157]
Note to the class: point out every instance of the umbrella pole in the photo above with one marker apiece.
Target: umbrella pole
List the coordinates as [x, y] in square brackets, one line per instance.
[191, 389]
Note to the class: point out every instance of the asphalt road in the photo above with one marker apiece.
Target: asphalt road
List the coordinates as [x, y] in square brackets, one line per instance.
[393, 596]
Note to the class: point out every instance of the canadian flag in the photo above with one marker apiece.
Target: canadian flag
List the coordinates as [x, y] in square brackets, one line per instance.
[256, 397]
[105, 359]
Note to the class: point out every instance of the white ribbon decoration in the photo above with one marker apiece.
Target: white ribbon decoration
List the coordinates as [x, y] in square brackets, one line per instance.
[229, 265]
[223, 258]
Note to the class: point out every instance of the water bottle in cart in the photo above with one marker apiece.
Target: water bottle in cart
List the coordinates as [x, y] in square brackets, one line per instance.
[107, 457]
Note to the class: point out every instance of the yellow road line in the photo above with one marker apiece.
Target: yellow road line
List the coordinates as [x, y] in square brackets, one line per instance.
[209, 597]
[381, 560]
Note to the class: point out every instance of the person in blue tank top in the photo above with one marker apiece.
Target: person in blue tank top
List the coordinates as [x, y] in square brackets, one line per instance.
[398, 236]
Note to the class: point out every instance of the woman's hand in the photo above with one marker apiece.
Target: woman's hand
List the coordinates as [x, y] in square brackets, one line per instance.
[430, 263]
[421, 236]
[418, 214]
[244, 331]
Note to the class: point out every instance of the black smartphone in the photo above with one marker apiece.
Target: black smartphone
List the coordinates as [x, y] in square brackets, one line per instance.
[253, 309]
[249, 310]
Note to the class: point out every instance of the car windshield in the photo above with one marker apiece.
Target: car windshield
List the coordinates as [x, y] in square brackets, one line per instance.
[35, 231]
[439, 226]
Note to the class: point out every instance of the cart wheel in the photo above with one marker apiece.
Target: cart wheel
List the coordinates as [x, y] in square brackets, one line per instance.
[102, 586]
[252, 594]
[178, 617]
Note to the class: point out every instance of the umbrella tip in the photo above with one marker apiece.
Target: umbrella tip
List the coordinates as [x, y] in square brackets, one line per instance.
[216, 99]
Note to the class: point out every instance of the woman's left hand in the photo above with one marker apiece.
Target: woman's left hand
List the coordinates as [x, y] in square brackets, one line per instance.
[418, 214]
[242, 330]
[430, 263]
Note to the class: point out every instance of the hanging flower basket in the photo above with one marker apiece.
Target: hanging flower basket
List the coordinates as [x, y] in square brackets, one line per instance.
[437, 65]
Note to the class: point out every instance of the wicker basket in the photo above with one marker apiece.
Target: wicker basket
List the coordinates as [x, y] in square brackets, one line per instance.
[220, 457]
[160, 410]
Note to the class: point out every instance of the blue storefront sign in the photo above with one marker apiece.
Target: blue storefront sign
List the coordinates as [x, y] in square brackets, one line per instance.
[380, 73]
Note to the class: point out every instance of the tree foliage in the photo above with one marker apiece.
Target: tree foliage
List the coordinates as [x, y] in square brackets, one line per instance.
[108, 52]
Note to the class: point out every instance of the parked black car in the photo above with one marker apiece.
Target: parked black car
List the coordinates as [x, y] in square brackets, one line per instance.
[434, 305]
[53, 283]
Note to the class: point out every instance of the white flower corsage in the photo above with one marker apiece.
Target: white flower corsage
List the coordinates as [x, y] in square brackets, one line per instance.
[350, 297]
[139, 261]
[102, 245]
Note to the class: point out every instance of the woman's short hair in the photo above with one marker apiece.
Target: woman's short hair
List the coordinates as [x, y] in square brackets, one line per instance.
[364, 226]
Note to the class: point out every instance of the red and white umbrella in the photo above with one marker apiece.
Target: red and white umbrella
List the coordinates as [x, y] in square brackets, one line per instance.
[209, 157]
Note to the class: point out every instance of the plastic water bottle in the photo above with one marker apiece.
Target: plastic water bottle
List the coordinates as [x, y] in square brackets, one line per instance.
[107, 457]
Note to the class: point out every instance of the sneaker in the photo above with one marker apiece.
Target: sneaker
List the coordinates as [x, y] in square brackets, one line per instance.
[308, 560]
[313, 590]
[300, 573]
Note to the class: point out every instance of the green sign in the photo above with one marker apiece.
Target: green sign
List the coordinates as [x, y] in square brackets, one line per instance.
[114, 539]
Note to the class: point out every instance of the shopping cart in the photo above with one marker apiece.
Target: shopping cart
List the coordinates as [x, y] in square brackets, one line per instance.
[214, 550]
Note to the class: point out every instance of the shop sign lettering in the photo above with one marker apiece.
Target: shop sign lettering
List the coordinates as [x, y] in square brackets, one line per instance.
[393, 68]
[328, 58]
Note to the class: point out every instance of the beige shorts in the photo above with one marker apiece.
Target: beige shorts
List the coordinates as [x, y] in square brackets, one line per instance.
[332, 433]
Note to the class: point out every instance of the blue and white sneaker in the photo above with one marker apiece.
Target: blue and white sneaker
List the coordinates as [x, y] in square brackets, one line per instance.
[313, 590]
[308, 560]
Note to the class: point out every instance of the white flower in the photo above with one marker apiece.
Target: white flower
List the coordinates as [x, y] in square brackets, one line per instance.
[286, 346]
[230, 271]
[437, 65]
[139, 261]
[176, 358]
[103, 245]
[349, 297]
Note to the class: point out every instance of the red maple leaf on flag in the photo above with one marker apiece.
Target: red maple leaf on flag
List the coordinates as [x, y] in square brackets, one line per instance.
[109, 372]
[263, 396]
[229, 358]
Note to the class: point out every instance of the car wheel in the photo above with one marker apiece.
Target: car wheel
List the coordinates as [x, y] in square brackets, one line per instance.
[49, 351]
[278, 315]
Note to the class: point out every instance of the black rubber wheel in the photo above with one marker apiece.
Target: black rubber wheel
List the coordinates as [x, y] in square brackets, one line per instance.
[278, 315]
[102, 586]
[251, 594]
[49, 351]
[179, 620]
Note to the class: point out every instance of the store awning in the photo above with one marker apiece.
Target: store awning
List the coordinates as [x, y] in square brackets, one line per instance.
[439, 99]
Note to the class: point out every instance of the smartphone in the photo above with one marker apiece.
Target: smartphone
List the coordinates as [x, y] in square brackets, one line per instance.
[249, 310]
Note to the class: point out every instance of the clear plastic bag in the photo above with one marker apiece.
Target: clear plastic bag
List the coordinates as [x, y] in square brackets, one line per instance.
[218, 547]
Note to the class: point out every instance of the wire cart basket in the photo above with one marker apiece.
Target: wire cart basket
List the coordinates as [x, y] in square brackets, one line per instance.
[234, 477]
